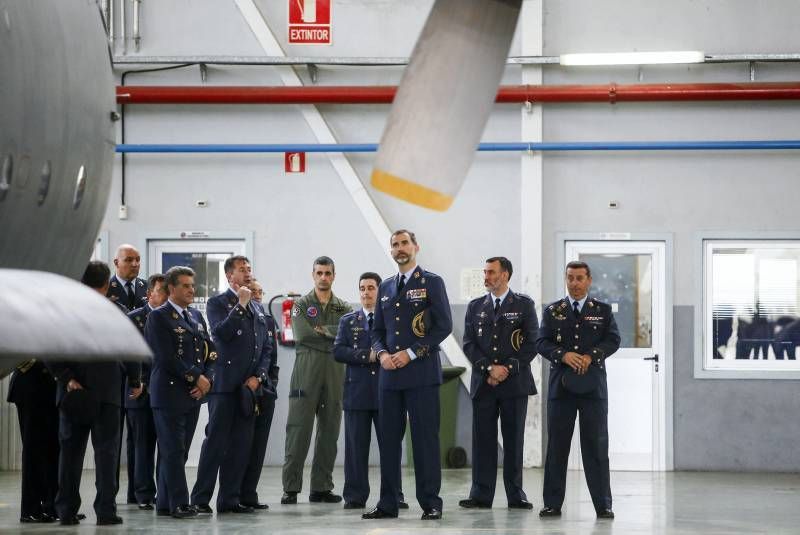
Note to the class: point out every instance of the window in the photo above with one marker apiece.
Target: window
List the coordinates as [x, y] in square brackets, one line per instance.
[751, 301]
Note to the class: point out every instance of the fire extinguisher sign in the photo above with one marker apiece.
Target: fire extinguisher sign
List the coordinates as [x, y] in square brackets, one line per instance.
[294, 162]
[310, 22]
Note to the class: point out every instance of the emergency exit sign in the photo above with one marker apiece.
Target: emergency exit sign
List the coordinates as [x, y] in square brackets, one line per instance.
[310, 22]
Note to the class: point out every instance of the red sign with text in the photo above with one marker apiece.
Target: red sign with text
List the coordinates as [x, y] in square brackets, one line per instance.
[294, 162]
[310, 22]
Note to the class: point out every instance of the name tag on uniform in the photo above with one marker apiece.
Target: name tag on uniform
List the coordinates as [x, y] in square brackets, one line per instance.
[418, 293]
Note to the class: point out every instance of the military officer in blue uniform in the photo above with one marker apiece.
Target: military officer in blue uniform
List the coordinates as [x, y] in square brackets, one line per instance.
[577, 335]
[103, 382]
[138, 413]
[243, 344]
[182, 374]
[411, 320]
[500, 340]
[360, 400]
[248, 495]
[32, 389]
[129, 291]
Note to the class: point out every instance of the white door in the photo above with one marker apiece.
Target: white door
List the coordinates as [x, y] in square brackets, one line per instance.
[631, 277]
[207, 259]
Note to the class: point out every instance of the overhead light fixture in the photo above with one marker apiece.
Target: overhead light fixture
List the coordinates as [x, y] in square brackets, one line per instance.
[633, 58]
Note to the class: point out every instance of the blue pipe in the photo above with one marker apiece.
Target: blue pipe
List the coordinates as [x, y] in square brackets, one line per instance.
[781, 144]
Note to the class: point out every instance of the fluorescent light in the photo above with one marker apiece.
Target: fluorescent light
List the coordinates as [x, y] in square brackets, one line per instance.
[633, 58]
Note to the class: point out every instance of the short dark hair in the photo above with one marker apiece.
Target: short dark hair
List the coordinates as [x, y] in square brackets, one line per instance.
[230, 262]
[404, 231]
[96, 274]
[505, 264]
[577, 264]
[370, 275]
[154, 279]
[175, 272]
[324, 261]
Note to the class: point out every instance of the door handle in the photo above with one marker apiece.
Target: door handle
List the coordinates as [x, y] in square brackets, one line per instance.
[655, 358]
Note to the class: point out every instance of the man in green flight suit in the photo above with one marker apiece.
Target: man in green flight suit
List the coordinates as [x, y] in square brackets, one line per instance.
[315, 389]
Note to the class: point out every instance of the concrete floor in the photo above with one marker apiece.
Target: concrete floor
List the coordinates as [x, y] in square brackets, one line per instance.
[678, 502]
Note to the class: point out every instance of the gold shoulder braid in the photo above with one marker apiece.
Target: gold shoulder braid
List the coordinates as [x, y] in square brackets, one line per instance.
[516, 339]
[25, 366]
[418, 325]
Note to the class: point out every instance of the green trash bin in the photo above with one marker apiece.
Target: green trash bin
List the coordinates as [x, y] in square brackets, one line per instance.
[451, 456]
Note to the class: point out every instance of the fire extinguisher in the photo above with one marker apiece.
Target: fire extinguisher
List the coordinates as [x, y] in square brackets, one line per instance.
[285, 331]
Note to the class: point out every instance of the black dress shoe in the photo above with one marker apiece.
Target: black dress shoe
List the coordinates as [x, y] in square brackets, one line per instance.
[324, 497]
[184, 511]
[469, 503]
[549, 512]
[238, 508]
[432, 514]
[402, 505]
[377, 514]
[80, 516]
[354, 505]
[605, 513]
[203, 509]
[112, 520]
[47, 518]
[257, 505]
[31, 519]
[145, 506]
[522, 504]
[289, 498]
[70, 521]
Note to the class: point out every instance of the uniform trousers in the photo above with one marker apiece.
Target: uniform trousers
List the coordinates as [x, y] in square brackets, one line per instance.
[142, 430]
[174, 432]
[422, 406]
[593, 414]
[38, 426]
[258, 451]
[486, 409]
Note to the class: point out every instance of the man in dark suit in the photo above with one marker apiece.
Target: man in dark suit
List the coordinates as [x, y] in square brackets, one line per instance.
[137, 403]
[352, 347]
[126, 289]
[182, 374]
[103, 382]
[411, 320]
[248, 495]
[500, 340]
[577, 334]
[33, 390]
[243, 345]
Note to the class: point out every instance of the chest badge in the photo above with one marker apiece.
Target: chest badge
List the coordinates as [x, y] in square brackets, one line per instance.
[312, 312]
[516, 339]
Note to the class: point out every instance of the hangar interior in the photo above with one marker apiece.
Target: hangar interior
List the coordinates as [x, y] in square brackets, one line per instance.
[697, 250]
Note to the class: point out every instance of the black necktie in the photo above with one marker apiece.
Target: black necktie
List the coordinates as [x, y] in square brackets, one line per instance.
[369, 320]
[575, 309]
[401, 283]
[131, 295]
[496, 305]
[186, 317]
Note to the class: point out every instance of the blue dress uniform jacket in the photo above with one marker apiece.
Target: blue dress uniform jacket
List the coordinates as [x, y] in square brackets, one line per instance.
[242, 341]
[116, 292]
[139, 373]
[418, 319]
[352, 347]
[508, 339]
[594, 333]
[182, 352]
[243, 344]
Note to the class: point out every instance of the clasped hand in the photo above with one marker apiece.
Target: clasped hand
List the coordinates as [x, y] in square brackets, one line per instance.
[579, 363]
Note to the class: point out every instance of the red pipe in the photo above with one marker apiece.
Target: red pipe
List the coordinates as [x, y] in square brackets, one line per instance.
[611, 93]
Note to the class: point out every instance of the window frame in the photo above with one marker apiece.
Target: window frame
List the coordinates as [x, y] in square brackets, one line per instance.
[704, 366]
